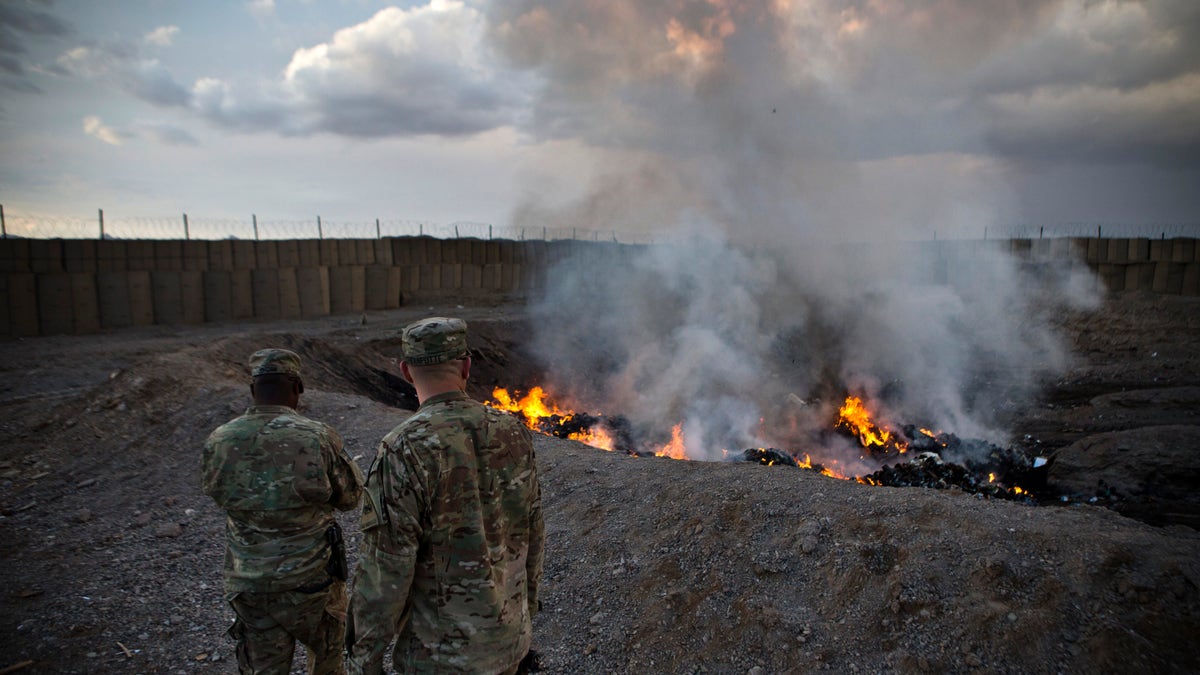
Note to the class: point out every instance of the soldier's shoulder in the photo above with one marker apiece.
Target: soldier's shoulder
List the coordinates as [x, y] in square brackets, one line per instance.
[500, 416]
[234, 427]
[294, 420]
[504, 420]
[434, 425]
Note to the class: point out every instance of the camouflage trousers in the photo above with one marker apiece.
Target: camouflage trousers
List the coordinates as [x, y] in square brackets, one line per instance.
[269, 624]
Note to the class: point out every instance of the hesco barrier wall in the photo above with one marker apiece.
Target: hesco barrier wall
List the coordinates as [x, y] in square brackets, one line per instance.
[54, 286]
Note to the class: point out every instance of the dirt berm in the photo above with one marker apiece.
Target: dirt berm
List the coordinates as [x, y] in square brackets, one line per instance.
[111, 556]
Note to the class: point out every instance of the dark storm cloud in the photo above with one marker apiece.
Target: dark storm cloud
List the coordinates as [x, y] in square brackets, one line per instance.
[1125, 46]
[20, 22]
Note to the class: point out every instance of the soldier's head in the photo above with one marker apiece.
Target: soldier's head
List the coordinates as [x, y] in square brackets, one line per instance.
[436, 359]
[275, 377]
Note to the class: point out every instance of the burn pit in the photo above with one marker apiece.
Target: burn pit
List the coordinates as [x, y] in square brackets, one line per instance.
[908, 456]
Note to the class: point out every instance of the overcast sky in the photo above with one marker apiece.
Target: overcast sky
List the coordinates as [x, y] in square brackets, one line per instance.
[825, 116]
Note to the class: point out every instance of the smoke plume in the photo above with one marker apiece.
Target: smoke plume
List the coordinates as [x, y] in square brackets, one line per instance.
[784, 199]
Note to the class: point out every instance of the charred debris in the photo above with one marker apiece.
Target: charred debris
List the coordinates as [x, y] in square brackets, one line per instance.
[1011, 473]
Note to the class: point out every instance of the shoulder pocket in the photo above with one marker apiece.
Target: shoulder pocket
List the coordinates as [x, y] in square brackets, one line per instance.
[372, 516]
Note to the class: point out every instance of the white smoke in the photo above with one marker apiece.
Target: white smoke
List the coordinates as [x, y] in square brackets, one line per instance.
[787, 284]
[758, 348]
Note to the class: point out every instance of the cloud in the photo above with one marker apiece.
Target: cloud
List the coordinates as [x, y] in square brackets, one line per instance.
[1154, 123]
[95, 127]
[1121, 45]
[162, 36]
[403, 72]
[123, 64]
[159, 132]
[215, 100]
[21, 22]
[423, 70]
[761, 110]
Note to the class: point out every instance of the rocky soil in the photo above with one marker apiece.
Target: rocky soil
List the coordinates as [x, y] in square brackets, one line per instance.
[111, 556]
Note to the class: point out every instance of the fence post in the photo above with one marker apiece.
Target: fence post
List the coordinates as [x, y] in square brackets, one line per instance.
[3, 227]
[489, 230]
[1042, 232]
[377, 235]
[1098, 229]
[101, 224]
[421, 229]
[543, 233]
[456, 231]
[254, 217]
[320, 232]
[186, 235]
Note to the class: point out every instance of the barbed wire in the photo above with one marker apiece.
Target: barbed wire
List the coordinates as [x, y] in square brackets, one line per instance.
[1095, 230]
[187, 227]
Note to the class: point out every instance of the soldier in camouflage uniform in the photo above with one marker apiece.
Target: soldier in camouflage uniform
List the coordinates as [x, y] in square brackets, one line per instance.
[279, 476]
[452, 526]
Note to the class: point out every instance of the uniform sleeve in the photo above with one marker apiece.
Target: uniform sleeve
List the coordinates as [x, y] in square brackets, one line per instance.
[207, 472]
[537, 540]
[345, 478]
[392, 530]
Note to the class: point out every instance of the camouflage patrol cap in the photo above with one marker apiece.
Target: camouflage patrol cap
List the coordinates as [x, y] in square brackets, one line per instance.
[274, 361]
[435, 340]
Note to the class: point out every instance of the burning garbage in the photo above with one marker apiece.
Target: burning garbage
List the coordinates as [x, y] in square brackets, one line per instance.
[905, 455]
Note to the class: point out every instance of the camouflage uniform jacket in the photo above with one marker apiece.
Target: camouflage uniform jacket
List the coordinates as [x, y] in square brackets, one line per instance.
[279, 476]
[452, 550]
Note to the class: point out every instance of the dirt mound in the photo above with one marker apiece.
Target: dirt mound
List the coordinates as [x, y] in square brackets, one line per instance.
[1151, 471]
[666, 566]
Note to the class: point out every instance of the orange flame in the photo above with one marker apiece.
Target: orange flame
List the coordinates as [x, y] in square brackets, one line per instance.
[854, 416]
[596, 437]
[534, 405]
[825, 471]
[675, 449]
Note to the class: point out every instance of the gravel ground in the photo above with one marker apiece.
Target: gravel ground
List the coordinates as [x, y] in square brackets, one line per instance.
[112, 556]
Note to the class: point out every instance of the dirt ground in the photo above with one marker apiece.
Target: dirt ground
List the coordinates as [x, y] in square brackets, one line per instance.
[111, 556]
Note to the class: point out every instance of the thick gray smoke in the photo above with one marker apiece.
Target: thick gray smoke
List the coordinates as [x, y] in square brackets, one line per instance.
[785, 287]
[759, 347]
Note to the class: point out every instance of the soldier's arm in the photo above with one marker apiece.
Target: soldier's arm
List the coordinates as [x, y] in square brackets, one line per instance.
[345, 478]
[391, 526]
[207, 474]
[537, 540]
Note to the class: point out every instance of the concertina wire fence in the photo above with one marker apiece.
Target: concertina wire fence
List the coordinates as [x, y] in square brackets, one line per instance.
[185, 227]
